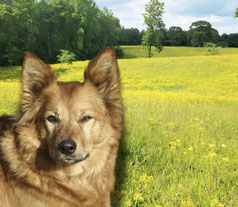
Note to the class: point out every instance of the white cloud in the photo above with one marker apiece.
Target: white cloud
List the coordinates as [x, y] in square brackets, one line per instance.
[130, 13]
[222, 24]
[182, 13]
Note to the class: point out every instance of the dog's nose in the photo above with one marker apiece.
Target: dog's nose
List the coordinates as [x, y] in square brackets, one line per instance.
[67, 147]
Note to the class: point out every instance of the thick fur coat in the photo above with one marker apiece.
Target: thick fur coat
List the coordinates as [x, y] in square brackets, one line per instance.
[60, 149]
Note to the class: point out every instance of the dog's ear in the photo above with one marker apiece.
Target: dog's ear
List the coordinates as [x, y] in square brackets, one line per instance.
[36, 76]
[103, 73]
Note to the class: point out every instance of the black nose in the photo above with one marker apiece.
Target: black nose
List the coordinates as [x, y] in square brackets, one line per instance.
[67, 147]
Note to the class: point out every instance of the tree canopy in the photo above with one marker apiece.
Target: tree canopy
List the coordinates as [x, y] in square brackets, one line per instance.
[200, 32]
[175, 36]
[45, 27]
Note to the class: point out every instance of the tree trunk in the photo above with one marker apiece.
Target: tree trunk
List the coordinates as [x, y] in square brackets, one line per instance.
[149, 51]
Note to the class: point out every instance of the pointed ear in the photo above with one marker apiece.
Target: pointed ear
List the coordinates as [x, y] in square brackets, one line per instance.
[103, 73]
[36, 76]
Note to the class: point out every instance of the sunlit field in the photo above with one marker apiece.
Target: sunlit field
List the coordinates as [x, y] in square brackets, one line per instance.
[180, 143]
[139, 51]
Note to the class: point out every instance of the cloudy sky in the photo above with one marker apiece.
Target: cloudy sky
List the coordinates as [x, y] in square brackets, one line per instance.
[220, 13]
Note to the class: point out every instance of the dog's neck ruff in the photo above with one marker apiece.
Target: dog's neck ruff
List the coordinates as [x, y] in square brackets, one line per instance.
[20, 158]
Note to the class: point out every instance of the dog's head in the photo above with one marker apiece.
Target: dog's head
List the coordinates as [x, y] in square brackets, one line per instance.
[74, 119]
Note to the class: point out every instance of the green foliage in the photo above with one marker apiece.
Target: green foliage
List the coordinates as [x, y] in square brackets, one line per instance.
[175, 36]
[66, 57]
[230, 40]
[130, 36]
[212, 48]
[236, 13]
[119, 52]
[153, 19]
[44, 27]
[200, 32]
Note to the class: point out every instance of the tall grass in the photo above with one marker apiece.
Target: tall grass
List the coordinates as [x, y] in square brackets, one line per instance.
[180, 144]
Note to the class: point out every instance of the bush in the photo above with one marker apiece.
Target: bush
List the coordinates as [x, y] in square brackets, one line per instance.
[66, 57]
[222, 44]
[119, 52]
[212, 48]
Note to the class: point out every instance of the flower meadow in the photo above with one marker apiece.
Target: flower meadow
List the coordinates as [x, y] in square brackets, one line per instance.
[180, 142]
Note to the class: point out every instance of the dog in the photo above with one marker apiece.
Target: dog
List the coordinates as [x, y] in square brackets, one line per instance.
[60, 150]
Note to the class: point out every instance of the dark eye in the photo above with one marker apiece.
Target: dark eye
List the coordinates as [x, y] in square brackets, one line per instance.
[52, 119]
[85, 119]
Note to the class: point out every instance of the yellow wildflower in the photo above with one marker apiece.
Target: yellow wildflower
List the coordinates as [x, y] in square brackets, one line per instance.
[171, 123]
[225, 159]
[145, 177]
[138, 197]
[173, 143]
[211, 145]
[190, 149]
[178, 141]
[164, 132]
[128, 203]
[150, 177]
[211, 155]
[187, 203]
[216, 203]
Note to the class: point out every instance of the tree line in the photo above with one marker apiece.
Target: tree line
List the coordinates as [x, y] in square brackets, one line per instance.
[47, 27]
[198, 33]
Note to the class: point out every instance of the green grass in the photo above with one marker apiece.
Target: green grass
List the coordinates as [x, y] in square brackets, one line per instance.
[180, 143]
[140, 51]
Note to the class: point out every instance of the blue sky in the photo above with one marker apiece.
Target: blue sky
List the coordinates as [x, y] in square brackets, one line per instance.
[220, 13]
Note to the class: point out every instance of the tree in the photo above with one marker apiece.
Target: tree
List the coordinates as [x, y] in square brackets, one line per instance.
[130, 36]
[232, 40]
[175, 36]
[44, 27]
[200, 32]
[236, 14]
[153, 19]
[66, 57]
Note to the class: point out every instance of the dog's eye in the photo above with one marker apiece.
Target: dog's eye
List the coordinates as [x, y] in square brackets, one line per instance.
[85, 119]
[52, 119]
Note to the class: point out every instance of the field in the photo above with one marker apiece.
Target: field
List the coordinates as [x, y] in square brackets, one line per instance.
[180, 143]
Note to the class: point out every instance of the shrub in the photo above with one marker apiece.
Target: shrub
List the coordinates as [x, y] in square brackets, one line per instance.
[212, 48]
[119, 52]
[66, 57]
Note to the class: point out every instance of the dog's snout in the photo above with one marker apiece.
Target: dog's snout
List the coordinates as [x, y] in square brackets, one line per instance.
[67, 147]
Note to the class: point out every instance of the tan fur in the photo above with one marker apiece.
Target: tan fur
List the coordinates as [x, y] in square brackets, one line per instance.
[33, 172]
